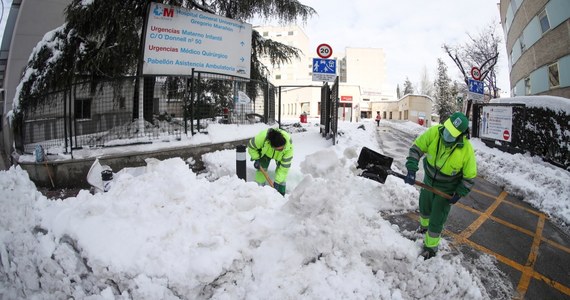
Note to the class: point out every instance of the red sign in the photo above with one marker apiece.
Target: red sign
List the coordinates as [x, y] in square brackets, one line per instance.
[324, 51]
[345, 98]
[506, 135]
[476, 73]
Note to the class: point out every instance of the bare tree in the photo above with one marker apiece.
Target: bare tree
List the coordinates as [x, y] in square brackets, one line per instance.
[480, 51]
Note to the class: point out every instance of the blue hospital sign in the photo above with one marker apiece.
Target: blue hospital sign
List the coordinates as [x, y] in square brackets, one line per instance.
[324, 69]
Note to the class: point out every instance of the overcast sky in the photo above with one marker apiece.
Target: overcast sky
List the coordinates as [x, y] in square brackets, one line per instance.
[411, 32]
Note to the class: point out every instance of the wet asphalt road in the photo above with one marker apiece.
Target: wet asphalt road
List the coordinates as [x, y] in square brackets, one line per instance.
[532, 253]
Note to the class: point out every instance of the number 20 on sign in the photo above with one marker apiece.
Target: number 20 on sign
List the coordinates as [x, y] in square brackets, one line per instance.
[324, 51]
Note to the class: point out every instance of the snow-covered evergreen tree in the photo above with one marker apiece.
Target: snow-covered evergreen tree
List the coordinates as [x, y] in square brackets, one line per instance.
[444, 101]
[408, 87]
[101, 39]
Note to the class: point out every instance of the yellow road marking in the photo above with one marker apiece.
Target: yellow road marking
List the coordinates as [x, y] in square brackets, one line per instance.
[556, 245]
[511, 263]
[528, 271]
[484, 194]
[512, 226]
[458, 238]
[515, 227]
[483, 217]
[555, 284]
[534, 212]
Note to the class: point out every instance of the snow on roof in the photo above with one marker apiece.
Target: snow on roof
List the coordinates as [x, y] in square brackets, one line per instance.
[551, 102]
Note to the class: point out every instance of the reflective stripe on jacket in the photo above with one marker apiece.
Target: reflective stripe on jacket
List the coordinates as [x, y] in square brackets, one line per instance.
[450, 168]
[259, 146]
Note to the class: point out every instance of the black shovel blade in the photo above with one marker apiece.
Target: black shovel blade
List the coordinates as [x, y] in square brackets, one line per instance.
[374, 165]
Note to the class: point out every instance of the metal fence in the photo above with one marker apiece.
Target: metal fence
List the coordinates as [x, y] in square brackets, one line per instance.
[88, 115]
[329, 110]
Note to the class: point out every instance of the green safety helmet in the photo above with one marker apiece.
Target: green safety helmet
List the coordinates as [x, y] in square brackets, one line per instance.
[457, 124]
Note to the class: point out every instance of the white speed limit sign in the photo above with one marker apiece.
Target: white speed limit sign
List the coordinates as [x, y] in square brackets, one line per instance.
[476, 73]
[324, 51]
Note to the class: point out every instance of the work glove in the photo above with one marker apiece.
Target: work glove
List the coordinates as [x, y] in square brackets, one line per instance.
[454, 198]
[256, 164]
[410, 177]
[280, 187]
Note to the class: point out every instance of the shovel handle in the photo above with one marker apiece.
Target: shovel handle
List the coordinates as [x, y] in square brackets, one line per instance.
[423, 185]
[266, 176]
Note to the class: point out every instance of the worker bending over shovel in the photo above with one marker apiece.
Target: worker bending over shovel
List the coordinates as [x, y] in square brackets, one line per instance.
[272, 143]
[449, 166]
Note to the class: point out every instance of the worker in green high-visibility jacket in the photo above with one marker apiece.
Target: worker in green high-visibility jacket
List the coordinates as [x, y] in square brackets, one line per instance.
[272, 143]
[449, 166]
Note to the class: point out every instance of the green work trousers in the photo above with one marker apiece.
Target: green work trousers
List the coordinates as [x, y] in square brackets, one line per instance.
[436, 207]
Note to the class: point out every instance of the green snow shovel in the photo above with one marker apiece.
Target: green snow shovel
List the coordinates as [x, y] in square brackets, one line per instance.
[377, 167]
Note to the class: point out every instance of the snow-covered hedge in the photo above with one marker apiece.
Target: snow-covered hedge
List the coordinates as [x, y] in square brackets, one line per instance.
[545, 127]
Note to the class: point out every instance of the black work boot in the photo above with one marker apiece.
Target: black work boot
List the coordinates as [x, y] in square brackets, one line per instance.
[427, 253]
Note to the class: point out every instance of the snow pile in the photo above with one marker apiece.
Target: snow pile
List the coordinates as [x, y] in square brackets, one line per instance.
[167, 233]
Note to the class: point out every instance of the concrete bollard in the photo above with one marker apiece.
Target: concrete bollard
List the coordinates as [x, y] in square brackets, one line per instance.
[240, 162]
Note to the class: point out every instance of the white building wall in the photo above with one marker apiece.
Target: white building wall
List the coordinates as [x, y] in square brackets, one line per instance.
[294, 100]
[366, 67]
[298, 70]
[366, 75]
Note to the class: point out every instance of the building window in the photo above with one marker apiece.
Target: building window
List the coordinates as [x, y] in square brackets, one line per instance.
[82, 109]
[522, 44]
[277, 77]
[514, 6]
[365, 99]
[553, 76]
[265, 33]
[544, 23]
[527, 86]
[290, 32]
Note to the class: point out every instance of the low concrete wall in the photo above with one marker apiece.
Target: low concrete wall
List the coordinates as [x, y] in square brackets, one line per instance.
[73, 173]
